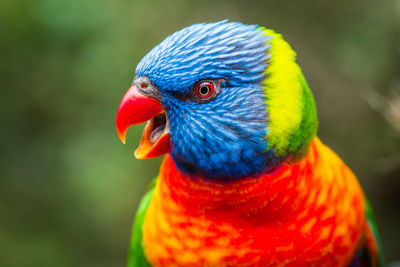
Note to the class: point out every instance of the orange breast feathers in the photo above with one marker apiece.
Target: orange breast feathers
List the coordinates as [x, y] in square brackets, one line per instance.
[309, 212]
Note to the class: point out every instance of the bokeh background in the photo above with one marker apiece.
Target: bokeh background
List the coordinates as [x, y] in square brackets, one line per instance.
[69, 188]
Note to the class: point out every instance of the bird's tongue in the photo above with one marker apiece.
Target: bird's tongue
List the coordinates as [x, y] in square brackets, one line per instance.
[158, 124]
[155, 139]
[136, 108]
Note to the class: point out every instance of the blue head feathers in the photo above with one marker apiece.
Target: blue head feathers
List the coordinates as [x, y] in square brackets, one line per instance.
[223, 136]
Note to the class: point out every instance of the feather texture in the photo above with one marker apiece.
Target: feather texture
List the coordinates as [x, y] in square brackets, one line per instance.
[300, 215]
[247, 182]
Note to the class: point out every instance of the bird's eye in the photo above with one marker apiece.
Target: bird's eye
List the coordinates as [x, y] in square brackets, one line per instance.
[204, 90]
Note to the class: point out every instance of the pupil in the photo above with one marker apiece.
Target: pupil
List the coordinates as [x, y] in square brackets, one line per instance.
[204, 90]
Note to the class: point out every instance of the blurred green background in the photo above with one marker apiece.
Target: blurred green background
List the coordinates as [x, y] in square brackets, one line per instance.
[69, 188]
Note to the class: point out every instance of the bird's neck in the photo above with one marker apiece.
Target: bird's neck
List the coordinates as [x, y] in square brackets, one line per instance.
[270, 195]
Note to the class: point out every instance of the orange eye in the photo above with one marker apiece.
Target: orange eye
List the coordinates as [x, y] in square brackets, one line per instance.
[204, 90]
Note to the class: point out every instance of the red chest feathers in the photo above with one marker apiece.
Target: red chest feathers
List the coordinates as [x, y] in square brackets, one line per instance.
[302, 214]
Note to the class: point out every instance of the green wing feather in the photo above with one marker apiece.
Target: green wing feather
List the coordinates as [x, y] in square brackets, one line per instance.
[372, 224]
[136, 255]
[365, 255]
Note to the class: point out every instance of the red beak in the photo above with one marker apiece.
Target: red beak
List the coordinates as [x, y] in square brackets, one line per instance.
[136, 108]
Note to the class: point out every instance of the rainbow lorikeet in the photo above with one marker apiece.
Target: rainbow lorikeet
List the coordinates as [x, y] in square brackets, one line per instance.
[245, 181]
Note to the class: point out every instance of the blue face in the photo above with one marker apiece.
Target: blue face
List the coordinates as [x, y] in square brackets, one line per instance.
[209, 78]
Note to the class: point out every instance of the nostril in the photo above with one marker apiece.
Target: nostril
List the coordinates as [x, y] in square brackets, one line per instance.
[143, 85]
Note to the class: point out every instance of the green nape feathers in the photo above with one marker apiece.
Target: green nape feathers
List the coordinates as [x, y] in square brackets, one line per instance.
[292, 114]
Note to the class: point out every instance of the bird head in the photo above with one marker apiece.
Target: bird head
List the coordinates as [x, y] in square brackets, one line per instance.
[226, 100]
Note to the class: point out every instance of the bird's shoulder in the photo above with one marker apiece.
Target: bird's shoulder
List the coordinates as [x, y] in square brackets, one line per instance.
[136, 254]
[369, 252]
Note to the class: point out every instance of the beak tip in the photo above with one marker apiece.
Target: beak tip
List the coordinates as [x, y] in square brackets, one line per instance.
[138, 155]
[122, 136]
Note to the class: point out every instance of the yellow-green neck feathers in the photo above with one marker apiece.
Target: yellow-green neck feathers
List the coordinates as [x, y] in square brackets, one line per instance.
[291, 109]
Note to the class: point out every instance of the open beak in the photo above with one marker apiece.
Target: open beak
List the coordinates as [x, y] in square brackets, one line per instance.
[136, 108]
